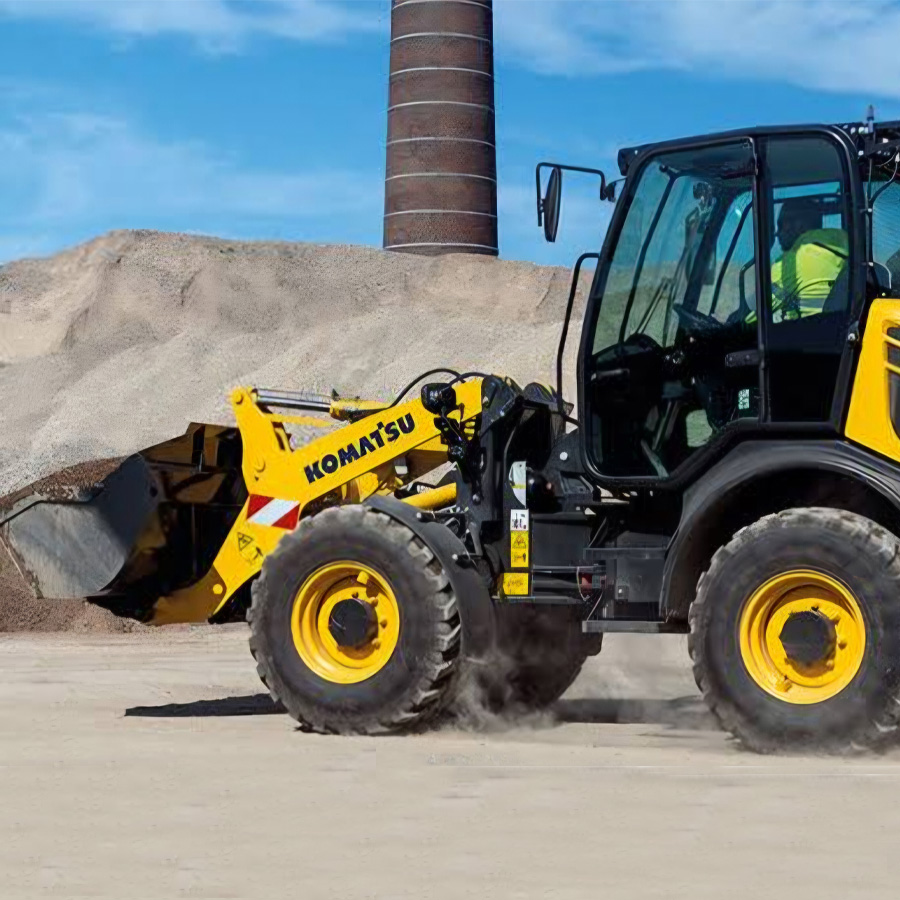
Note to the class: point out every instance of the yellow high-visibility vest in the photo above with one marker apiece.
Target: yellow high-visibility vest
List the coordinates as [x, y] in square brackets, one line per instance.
[804, 276]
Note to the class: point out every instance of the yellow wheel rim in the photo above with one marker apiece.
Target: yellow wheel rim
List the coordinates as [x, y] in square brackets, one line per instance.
[311, 618]
[809, 596]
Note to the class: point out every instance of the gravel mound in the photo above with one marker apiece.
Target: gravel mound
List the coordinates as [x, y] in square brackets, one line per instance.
[20, 610]
[118, 344]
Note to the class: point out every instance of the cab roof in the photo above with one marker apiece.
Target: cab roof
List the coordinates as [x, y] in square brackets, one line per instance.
[858, 132]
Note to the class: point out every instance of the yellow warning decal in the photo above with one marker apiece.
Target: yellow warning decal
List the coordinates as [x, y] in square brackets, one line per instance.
[247, 547]
[515, 584]
[518, 549]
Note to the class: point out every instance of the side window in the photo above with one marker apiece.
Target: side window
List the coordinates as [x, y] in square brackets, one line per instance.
[729, 291]
[810, 275]
[811, 249]
[886, 230]
[670, 253]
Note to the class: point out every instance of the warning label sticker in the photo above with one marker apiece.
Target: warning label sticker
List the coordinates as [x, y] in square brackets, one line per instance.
[515, 584]
[518, 520]
[247, 547]
[518, 549]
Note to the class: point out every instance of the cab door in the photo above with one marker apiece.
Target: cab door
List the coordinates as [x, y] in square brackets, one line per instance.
[669, 356]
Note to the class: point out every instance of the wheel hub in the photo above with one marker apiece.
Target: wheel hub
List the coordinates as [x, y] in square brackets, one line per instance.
[345, 622]
[353, 623]
[808, 637]
[802, 636]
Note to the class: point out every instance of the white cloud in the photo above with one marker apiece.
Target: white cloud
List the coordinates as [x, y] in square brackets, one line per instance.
[64, 173]
[215, 24]
[830, 45]
[835, 45]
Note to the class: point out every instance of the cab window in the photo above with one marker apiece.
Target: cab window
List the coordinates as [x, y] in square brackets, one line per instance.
[809, 268]
[886, 229]
[730, 289]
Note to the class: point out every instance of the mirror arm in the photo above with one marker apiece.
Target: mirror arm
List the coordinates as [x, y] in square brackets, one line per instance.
[607, 191]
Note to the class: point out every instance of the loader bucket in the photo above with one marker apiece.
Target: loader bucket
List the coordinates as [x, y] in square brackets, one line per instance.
[150, 527]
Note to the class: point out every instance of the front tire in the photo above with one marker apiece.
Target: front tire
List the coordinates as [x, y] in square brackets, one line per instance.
[354, 625]
[795, 632]
[540, 653]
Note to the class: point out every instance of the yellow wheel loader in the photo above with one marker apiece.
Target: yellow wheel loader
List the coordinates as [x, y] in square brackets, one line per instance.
[732, 473]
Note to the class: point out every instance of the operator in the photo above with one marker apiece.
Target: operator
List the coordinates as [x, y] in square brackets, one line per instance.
[813, 259]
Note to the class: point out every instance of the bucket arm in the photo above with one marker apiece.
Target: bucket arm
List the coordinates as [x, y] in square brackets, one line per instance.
[379, 450]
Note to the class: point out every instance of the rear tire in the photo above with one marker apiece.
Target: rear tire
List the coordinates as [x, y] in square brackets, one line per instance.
[420, 675]
[823, 546]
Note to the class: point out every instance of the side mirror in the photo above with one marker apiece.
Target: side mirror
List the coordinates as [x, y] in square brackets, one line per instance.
[550, 205]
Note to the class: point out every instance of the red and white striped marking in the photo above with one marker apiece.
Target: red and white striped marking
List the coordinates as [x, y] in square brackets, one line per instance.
[272, 511]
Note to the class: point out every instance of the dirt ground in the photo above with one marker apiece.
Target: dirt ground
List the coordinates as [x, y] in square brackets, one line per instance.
[151, 765]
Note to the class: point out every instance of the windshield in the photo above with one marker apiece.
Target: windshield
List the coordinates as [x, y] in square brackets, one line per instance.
[687, 206]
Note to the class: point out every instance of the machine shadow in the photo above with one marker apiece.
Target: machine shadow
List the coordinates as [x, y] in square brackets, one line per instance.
[249, 705]
[688, 713]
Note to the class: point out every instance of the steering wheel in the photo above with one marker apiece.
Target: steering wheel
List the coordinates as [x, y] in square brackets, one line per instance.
[643, 342]
[696, 322]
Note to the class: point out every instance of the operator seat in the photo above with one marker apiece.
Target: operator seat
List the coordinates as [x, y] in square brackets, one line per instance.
[836, 301]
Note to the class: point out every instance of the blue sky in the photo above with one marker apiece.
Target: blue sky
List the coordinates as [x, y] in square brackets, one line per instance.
[265, 118]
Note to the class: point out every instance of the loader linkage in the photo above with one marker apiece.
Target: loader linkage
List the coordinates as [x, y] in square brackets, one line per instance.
[179, 529]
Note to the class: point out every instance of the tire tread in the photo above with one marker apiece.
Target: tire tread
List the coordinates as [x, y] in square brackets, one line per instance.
[435, 689]
[885, 546]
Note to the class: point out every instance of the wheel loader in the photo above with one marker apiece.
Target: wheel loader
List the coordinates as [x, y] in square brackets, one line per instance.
[730, 471]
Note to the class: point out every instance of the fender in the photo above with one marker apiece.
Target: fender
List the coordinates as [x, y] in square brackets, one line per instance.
[748, 463]
[475, 604]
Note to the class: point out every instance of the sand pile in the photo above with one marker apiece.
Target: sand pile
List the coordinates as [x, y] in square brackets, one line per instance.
[120, 343]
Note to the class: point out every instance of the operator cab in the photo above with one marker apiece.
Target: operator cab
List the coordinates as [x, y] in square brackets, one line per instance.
[708, 318]
[679, 332]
